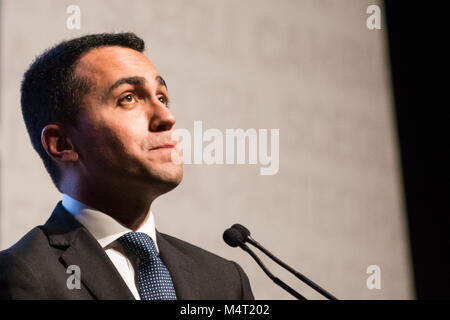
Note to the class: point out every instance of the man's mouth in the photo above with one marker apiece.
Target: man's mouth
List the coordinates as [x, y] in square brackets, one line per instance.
[164, 146]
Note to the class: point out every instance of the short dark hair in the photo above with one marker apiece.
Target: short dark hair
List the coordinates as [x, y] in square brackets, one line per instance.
[52, 93]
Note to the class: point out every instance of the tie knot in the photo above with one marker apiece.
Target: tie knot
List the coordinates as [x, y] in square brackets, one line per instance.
[140, 244]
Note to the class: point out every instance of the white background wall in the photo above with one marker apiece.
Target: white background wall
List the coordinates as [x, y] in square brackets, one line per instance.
[309, 68]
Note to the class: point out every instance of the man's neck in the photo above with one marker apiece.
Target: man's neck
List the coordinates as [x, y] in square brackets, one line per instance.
[129, 210]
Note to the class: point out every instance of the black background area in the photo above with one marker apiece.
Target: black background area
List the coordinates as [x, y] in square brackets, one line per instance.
[417, 38]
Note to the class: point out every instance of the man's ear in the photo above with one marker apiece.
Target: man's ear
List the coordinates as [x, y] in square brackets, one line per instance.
[57, 144]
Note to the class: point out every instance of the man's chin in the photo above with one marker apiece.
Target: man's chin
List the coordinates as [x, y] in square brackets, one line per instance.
[167, 179]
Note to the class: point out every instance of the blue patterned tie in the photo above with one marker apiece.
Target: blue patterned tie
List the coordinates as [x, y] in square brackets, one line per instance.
[153, 278]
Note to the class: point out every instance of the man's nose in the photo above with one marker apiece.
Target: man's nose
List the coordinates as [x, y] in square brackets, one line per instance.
[162, 118]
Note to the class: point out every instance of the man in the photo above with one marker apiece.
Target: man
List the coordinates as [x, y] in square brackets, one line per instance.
[96, 110]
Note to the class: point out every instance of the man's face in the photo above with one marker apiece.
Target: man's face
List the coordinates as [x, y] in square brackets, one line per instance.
[125, 133]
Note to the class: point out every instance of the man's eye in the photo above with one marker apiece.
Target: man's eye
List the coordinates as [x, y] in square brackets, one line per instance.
[129, 98]
[164, 100]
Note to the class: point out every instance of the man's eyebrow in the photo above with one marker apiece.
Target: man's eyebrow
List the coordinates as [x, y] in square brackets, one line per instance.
[130, 80]
[161, 81]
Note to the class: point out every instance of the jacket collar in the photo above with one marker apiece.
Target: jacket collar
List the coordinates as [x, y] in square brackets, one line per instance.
[181, 268]
[80, 248]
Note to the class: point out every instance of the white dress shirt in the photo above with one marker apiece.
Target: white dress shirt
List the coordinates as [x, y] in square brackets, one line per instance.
[106, 231]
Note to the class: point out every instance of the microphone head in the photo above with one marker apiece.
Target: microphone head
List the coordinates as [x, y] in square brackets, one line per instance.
[242, 230]
[233, 237]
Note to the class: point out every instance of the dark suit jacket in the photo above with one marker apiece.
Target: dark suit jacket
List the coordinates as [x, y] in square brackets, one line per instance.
[35, 267]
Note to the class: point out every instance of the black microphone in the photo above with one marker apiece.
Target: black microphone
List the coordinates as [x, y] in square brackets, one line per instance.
[235, 239]
[244, 236]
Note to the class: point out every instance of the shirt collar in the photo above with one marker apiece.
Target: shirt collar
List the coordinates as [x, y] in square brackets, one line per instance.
[104, 228]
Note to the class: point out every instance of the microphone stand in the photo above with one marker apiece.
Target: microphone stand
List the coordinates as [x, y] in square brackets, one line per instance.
[284, 265]
[270, 275]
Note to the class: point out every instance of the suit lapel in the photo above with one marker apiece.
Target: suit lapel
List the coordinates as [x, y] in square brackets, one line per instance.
[181, 268]
[80, 248]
